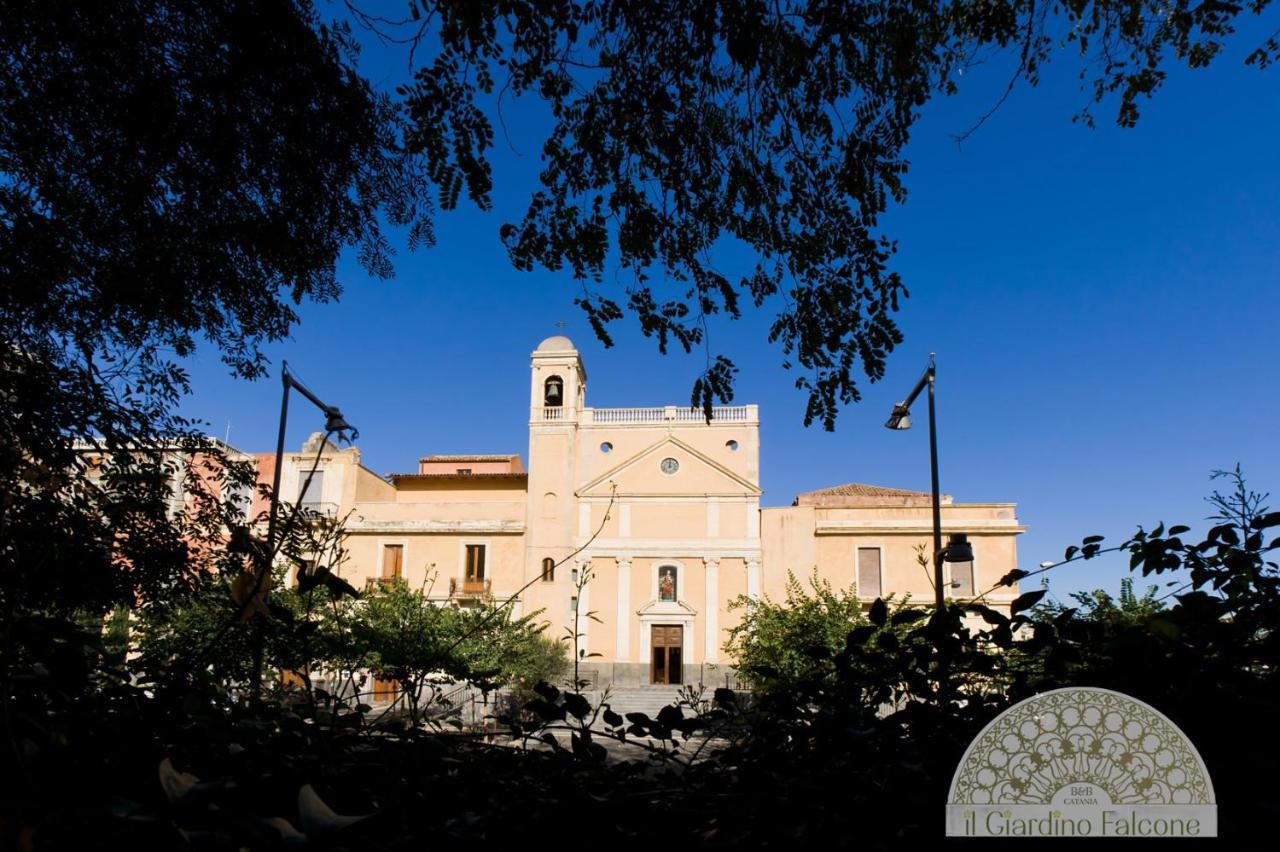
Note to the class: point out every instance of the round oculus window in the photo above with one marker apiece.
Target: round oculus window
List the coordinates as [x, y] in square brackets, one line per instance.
[606, 447]
[670, 465]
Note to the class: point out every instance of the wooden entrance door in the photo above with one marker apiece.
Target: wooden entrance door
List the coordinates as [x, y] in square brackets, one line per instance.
[668, 653]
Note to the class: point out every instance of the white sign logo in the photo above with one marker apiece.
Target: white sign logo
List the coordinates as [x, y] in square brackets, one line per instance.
[1081, 762]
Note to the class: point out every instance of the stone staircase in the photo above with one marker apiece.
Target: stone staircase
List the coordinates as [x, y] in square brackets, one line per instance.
[640, 699]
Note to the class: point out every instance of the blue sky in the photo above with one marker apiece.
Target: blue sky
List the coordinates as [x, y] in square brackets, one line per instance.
[1103, 304]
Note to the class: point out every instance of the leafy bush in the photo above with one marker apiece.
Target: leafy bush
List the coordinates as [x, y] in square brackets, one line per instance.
[781, 643]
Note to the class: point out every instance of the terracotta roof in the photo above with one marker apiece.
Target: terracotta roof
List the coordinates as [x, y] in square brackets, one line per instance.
[858, 493]
[481, 475]
[858, 489]
[493, 457]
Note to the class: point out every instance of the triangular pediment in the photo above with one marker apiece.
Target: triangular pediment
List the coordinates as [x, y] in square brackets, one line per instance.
[641, 475]
[672, 608]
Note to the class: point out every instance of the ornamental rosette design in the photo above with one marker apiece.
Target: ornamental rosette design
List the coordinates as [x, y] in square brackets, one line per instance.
[1081, 735]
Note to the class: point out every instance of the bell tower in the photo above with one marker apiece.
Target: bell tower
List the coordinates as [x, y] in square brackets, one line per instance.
[557, 394]
[559, 382]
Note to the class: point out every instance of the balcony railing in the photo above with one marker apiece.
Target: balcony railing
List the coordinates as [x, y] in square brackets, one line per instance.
[469, 588]
[626, 415]
[668, 414]
[318, 507]
[375, 584]
[656, 415]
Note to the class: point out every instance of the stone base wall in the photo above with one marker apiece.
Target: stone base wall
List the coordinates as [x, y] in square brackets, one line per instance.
[631, 675]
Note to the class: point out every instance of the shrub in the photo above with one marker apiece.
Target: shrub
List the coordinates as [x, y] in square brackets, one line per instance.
[781, 643]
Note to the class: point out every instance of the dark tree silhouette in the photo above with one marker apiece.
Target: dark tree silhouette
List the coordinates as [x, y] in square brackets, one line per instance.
[678, 125]
[169, 170]
[172, 170]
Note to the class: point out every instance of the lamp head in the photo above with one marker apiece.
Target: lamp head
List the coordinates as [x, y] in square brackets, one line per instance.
[900, 418]
[338, 424]
[958, 549]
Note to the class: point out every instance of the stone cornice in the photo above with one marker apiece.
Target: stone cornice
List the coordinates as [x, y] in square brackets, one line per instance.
[697, 548]
[476, 527]
[912, 526]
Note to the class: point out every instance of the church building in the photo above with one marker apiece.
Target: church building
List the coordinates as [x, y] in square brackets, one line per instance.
[649, 519]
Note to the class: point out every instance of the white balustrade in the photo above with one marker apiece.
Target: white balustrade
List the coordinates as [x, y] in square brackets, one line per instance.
[666, 414]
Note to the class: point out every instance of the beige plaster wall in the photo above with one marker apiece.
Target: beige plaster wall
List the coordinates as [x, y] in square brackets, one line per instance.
[669, 520]
[443, 554]
[629, 441]
[469, 489]
[609, 526]
[370, 486]
[732, 518]
[733, 584]
[602, 636]
[441, 510]
[787, 543]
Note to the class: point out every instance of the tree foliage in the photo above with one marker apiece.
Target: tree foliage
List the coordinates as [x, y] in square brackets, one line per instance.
[678, 127]
[325, 631]
[169, 171]
[175, 170]
[1100, 605]
[779, 643]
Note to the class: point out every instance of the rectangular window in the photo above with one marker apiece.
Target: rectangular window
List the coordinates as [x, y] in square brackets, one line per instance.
[475, 563]
[241, 495]
[573, 604]
[962, 579]
[464, 471]
[177, 497]
[869, 585]
[392, 561]
[312, 497]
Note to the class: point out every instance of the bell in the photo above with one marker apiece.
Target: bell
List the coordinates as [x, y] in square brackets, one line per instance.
[553, 393]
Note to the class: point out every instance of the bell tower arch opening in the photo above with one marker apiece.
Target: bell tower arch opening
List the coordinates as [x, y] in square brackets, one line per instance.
[553, 392]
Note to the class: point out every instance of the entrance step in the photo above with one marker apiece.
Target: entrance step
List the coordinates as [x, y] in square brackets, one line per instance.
[641, 699]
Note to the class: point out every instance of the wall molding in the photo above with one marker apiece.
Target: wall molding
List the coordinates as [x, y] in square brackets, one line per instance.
[477, 527]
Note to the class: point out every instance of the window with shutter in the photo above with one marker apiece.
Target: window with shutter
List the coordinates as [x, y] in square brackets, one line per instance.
[475, 562]
[392, 561]
[869, 580]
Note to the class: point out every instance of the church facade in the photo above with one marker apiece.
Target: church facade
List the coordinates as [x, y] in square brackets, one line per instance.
[641, 526]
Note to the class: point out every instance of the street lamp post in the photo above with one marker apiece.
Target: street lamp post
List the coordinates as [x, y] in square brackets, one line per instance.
[958, 548]
[334, 422]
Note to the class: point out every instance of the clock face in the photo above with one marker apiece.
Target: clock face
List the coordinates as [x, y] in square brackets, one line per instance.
[670, 466]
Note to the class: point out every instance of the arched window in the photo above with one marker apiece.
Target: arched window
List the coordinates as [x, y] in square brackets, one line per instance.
[548, 570]
[549, 505]
[667, 584]
[553, 392]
